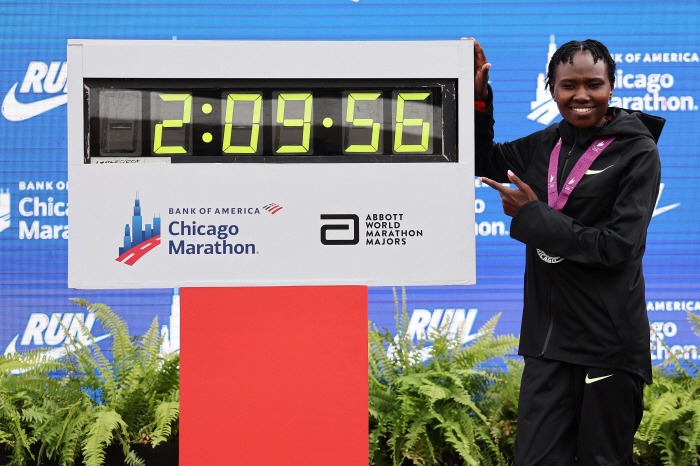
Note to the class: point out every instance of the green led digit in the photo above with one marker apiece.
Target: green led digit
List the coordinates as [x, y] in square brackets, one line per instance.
[186, 118]
[305, 123]
[252, 148]
[400, 122]
[374, 144]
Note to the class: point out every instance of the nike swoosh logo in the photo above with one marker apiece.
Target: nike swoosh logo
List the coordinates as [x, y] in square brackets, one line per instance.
[662, 210]
[589, 380]
[52, 354]
[18, 111]
[595, 172]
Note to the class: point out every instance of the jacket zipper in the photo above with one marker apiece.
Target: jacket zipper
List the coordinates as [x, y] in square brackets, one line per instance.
[551, 284]
[563, 169]
[551, 313]
[551, 324]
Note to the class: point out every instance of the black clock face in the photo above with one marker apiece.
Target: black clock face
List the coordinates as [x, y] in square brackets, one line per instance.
[281, 120]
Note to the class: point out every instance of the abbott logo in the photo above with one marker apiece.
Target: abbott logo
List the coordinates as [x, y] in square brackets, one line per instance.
[340, 226]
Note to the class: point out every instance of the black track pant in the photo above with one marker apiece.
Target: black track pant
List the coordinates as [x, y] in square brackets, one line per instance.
[575, 415]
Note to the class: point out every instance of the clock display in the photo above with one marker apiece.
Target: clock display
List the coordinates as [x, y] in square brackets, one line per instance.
[266, 120]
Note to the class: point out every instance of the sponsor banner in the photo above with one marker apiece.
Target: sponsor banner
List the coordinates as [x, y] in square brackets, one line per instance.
[652, 73]
[48, 330]
[455, 310]
[462, 314]
[43, 210]
[214, 225]
[33, 313]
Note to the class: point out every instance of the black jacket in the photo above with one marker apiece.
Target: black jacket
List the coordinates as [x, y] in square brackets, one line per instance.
[589, 308]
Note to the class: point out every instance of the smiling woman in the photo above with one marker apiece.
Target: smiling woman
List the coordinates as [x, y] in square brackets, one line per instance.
[583, 85]
[582, 90]
[584, 218]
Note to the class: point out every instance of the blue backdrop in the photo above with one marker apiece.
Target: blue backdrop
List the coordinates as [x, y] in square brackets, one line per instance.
[655, 44]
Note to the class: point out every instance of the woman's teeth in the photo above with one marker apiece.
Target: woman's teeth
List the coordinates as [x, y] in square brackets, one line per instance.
[582, 109]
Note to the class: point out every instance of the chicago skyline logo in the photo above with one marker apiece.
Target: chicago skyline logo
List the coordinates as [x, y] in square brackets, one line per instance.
[544, 108]
[139, 238]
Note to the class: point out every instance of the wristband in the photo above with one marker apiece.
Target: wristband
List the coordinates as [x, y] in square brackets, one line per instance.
[480, 106]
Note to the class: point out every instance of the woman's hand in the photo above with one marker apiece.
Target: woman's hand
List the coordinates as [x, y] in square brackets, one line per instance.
[512, 199]
[481, 72]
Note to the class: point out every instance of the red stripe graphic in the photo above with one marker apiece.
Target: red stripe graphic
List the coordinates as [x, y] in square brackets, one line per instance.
[137, 252]
[273, 208]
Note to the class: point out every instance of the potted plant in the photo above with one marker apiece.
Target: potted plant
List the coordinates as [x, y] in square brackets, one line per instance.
[70, 410]
[669, 433]
[428, 404]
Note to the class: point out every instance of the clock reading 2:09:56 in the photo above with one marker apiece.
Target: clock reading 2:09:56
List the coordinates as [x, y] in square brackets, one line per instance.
[171, 114]
[252, 121]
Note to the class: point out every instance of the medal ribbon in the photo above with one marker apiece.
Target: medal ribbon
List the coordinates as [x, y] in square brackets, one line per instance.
[556, 200]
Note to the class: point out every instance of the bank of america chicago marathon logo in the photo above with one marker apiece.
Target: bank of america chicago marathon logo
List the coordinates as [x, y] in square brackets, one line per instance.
[139, 239]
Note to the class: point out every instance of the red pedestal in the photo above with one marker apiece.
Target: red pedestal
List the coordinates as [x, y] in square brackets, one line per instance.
[274, 376]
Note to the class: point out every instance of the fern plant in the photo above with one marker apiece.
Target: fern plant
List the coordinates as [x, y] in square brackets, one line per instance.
[670, 430]
[26, 400]
[424, 401]
[76, 407]
[501, 407]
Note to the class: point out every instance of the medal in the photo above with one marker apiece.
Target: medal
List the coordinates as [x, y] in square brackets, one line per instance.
[557, 200]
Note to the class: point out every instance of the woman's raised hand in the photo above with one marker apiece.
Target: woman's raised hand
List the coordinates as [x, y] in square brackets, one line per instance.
[481, 72]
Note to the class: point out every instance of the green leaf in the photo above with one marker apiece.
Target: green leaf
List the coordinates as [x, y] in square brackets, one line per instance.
[167, 413]
[106, 425]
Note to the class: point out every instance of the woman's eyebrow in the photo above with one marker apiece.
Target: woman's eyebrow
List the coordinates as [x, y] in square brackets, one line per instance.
[579, 78]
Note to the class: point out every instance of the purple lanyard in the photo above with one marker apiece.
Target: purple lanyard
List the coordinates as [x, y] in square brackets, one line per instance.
[557, 201]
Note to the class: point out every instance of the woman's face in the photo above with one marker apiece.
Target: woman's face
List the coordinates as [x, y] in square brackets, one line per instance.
[582, 90]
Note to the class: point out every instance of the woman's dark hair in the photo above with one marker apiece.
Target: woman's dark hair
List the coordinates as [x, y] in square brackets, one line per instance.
[565, 53]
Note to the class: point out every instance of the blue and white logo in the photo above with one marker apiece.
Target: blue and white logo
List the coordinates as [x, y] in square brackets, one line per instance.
[40, 79]
[544, 108]
[4, 209]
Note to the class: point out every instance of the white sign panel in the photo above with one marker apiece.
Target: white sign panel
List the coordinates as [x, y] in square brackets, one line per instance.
[319, 226]
[379, 190]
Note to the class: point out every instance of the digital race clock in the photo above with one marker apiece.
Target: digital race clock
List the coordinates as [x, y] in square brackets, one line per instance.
[273, 120]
